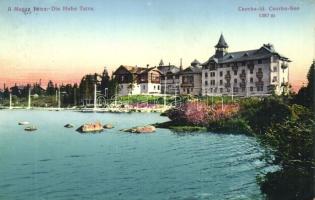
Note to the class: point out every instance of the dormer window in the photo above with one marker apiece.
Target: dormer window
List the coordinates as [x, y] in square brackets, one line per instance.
[245, 54]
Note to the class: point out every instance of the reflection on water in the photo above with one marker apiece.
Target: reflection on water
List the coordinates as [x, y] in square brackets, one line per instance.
[58, 163]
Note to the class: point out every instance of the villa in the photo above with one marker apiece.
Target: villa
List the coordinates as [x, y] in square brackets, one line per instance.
[169, 78]
[133, 80]
[190, 79]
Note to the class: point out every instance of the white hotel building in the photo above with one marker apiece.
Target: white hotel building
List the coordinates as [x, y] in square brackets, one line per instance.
[255, 72]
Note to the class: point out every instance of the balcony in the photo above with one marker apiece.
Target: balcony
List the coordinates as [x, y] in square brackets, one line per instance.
[259, 75]
[227, 85]
[284, 66]
[187, 85]
[227, 76]
[242, 76]
[243, 85]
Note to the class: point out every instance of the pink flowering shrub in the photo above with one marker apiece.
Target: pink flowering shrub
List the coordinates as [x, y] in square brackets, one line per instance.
[193, 113]
[228, 111]
[199, 113]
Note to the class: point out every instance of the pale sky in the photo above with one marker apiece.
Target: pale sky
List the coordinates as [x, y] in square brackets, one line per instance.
[65, 45]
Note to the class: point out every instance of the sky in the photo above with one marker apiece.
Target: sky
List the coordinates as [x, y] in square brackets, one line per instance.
[65, 45]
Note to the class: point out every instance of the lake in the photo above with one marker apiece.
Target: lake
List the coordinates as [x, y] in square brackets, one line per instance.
[61, 164]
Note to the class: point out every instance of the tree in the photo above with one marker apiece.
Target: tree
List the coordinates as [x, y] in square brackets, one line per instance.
[50, 90]
[104, 81]
[87, 86]
[306, 94]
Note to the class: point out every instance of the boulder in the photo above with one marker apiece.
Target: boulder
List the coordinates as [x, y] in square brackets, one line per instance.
[30, 128]
[24, 123]
[141, 129]
[69, 126]
[108, 126]
[91, 128]
[145, 129]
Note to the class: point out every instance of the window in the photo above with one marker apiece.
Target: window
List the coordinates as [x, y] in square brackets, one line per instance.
[143, 87]
[235, 80]
[243, 71]
[212, 82]
[221, 90]
[206, 82]
[251, 89]
[274, 79]
[275, 69]
[251, 80]
[259, 61]
[221, 73]
[154, 87]
[221, 82]
[235, 72]
[206, 74]
[158, 87]
[235, 89]
[212, 74]
[251, 70]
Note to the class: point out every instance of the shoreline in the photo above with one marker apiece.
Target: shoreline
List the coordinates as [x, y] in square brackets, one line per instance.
[99, 110]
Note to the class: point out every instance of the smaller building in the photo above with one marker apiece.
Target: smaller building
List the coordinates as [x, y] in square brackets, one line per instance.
[169, 78]
[190, 79]
[133, 80]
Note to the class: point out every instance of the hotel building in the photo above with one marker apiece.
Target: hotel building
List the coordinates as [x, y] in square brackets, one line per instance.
[256, 72]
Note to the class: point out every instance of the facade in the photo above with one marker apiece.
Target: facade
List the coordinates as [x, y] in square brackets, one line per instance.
[255, 72]
[169, 78]
[190, 79]
[133, 80]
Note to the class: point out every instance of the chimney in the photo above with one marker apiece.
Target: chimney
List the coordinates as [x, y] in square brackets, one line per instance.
[147, 66]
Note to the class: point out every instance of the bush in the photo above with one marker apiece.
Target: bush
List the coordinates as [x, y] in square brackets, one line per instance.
[233, 125]
[262, 114]
[190, 113]
[292, 144]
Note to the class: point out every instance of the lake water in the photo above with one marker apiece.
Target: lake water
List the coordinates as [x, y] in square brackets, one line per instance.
[61, 164]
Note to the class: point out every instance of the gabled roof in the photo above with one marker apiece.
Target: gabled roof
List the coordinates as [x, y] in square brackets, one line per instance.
[222, 43]
[192, 70]
[146, 70]
[168, 69]
[130, 69]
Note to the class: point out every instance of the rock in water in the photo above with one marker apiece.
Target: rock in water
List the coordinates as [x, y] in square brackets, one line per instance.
[91, 127]
[141, 129]
[23, 123]
[30, 128]
[108, 126]
[69, 126]
[145, 129]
